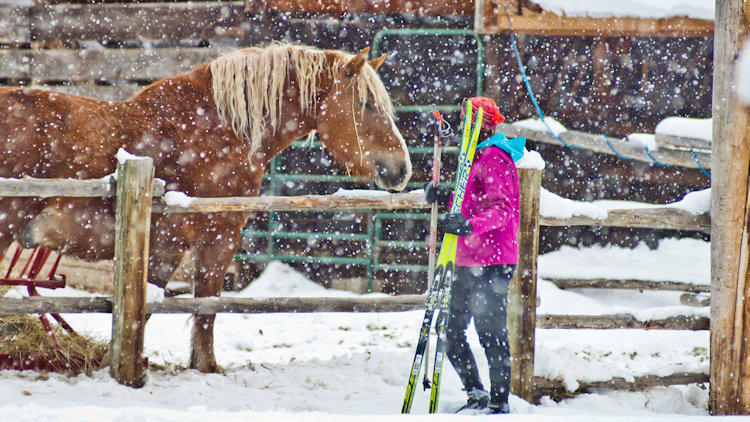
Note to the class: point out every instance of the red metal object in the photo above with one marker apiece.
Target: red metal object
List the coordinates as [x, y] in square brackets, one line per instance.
[32, 268]
[63, 359]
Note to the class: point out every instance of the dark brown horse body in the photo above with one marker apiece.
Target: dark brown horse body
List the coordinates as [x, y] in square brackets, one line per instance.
[196, 150]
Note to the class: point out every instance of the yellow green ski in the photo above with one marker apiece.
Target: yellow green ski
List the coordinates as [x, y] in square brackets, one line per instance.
[442, 280]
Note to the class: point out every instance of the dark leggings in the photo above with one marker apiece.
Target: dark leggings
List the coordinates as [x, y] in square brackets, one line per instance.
[481, 293]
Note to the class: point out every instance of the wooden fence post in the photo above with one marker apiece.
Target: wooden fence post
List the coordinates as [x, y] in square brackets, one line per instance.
[133, 210]
[730, 209]
[522, 292]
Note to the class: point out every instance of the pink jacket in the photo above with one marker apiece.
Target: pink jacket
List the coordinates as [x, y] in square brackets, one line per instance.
[491, 204]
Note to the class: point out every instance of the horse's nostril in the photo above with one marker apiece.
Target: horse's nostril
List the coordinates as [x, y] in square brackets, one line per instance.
[402, 169]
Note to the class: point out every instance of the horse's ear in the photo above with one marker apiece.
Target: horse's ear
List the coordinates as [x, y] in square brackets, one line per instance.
[357, 62]
[375, 63]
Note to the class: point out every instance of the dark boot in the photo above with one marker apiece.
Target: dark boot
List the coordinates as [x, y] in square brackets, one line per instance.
[478, 399]
[499, 408]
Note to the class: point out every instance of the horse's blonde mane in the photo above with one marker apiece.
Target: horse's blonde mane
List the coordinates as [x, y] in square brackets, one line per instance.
[248, 85]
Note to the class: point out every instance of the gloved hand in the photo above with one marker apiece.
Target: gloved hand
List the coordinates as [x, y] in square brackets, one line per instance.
[439, 193]
[456, 224]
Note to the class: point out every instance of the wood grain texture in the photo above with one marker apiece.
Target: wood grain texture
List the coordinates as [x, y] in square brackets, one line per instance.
[543, 22]
[556, 389]
[212, 305]
[671, 141]
[522, 290]
[133, 21]
[600, 322]
[14, 24]
[604, 283]
[598, 143]
[730, 371]
[145, 64]
[45, 188]
[132, 229]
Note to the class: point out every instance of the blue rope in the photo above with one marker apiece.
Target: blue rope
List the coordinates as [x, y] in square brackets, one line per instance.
[652, 157]
[528, 86]
[606, 139]
[699, 164]
[541, 114]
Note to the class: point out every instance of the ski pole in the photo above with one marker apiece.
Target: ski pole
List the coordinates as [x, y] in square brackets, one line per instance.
[436, 151]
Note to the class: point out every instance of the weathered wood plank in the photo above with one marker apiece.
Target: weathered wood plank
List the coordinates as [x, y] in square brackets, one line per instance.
[556, 390]
[45, 188]
[288, 305]
[598, 143]
[99, 92]
[211, 305]
[522, 290]
[600, 322]
[132, 228]
[293, 203]
[14, 24]
[138, 21]
[15, 64]
[666, 218]
[421, 7]
[672, 141]
[543, 22]
[117, 64]
[605, 283]
[659, 217]
[692, 299]
[730, 208]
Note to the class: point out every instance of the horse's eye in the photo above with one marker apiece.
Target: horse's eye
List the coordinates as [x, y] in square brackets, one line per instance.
[368, 106]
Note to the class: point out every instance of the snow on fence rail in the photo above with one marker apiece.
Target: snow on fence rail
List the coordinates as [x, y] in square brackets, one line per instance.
[612, 146]
[522, 318]
[655, 217]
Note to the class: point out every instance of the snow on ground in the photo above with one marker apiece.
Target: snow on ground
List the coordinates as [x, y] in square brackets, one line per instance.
[348, 366]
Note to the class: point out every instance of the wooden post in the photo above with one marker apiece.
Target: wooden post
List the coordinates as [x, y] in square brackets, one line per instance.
[133, 210]
[522, 292]
[478, 16]
[730, 313]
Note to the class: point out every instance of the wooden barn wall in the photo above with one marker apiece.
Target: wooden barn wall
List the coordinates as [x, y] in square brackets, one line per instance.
[601, 85]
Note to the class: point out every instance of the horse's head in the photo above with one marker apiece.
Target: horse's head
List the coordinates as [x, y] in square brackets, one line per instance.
[355, 122]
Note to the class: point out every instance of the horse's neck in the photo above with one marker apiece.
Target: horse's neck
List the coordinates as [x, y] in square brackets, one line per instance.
[293, 125]
[193, 91]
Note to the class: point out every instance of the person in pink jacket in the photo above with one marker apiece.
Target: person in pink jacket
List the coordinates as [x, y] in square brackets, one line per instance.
[486, 259]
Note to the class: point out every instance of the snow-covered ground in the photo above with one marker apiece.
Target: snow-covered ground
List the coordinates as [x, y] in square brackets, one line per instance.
[354, 367]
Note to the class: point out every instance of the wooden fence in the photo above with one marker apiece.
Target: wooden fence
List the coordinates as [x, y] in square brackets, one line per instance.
[135, 190]
[62, 47]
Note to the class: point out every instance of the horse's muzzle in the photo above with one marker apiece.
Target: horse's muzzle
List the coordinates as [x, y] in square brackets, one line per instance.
[392, 174]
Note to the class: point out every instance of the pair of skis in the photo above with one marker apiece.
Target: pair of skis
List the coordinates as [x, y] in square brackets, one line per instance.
[442, 281]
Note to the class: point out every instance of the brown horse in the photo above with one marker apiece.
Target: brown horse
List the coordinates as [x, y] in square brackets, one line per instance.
[211, 132]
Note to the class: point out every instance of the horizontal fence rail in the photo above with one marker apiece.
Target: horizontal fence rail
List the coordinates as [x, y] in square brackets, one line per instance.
[598, 143]
[557, 390]
[105, 64]
[660, 217]
[214, 305]
[628, 284]
[146, 21]
[600, 322]
[46, 188]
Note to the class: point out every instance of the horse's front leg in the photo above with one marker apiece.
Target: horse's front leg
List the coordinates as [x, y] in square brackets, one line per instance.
[212, 258]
